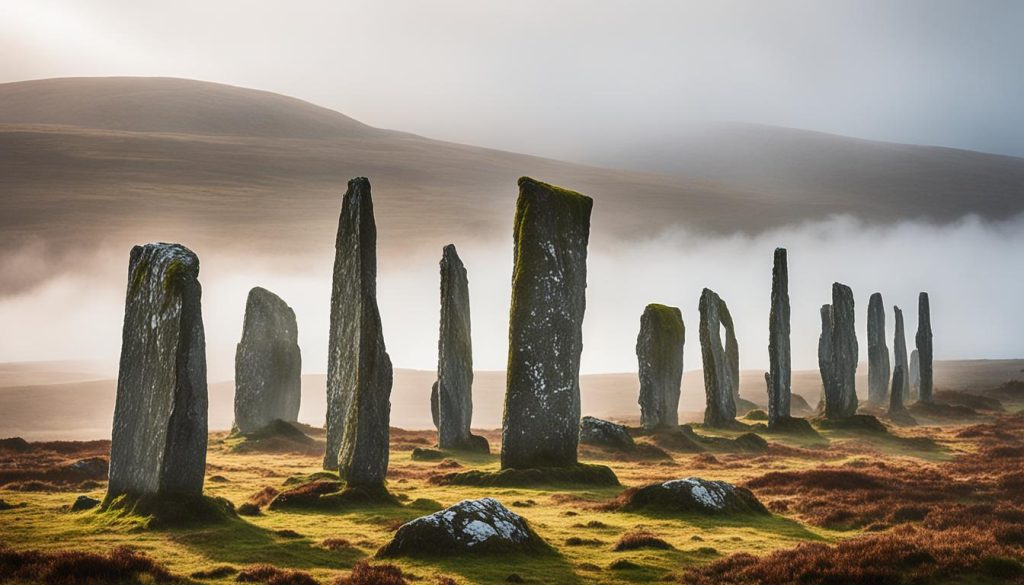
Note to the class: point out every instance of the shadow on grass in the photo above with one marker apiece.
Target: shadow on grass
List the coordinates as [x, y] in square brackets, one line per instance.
[776, 525]
[551, 567]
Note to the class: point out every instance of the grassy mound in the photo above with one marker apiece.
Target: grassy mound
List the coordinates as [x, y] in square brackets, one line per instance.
[168, 511]
[579, 474]
[331, 495]
[942, 410]
[793, 426]
[856, 423]
[425, 454]
[756, 415]
[277, 437]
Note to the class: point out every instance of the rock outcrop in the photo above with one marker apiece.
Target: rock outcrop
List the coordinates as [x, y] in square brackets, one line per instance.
[915, 375]
[603, 433]
[838, 353]
[694, 495]
[924, 347]
[900, 353]
[359, 374]
[268, 364]
[878, 352]
[718, 372]
[158, 441]
[779, 374]
[453, 401]
[481, 526]
[549, 281]
[659, 353]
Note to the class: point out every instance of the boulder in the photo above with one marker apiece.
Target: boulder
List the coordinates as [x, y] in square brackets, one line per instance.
[453, 400]
[878, 353]
[91, 468]
[158, 441]
[899, 351]
[659, 353]
[359, 374]
[268, 364]
[602, 433]
[83, 503]
[924, 347]
[549, 280]
[718, 371]
[481, 526]
[779, 374]
[694, 495]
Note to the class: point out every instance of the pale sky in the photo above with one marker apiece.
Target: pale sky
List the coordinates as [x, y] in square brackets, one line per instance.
[550, 77]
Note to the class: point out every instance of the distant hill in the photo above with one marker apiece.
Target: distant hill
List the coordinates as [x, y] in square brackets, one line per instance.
[91, 162]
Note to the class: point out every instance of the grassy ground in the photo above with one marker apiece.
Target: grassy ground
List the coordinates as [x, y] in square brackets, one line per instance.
[570, 518]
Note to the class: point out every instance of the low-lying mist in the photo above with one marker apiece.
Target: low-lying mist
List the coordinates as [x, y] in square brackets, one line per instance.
[971, 269]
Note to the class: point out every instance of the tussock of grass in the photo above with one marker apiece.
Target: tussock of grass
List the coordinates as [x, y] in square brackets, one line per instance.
[638, 539]
[266, 574]
[364, 573]
[120, 565]
[579, 474]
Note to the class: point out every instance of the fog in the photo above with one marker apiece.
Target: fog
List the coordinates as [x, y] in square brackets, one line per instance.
[547, 77]
[970, 268]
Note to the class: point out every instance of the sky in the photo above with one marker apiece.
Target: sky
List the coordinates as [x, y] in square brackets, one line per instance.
[550, 78]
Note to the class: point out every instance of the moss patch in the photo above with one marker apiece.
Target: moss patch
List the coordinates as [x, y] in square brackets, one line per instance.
[168, 511]
[579, 474]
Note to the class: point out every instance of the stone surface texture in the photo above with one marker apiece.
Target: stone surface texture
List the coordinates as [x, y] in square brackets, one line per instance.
[659, 353]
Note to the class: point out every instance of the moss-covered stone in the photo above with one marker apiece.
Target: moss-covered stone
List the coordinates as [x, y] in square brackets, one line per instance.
[578, 474]
[168, 511]
[659, 353]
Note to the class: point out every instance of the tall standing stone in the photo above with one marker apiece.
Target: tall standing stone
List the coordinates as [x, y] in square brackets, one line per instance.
[825, 353]
[732, 350]
[840, 382]
[878, 352]
[549, 282]
[158, 441]
[900, 353]
[779, 373]
[915, 375]
[268, 364]
[720, 410]
[924, 346]
[359, 374]
[659, 353]
[454, 396]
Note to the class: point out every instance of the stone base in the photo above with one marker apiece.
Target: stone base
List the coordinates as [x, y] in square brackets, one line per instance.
[579, 474]
[169, 511]
[326, 494]
[793, 426]
[278, 436]
[857, 422]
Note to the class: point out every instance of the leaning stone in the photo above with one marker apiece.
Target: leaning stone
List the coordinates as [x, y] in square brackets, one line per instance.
[924, 347]
[900, 353]
[453, 399]
[542, 399]
[693, 495]
[878, 352]
[158, 442]
[840, 384]
[779, 373]
[602, 433]
[470, 527]
[659, 352]
[268, 364]
[359, 374]
[718, 384]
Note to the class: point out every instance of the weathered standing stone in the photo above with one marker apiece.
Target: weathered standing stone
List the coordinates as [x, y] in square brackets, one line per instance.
[718, 385]
[878, 352]
[434, 414]
[541, 427]
[924, 346]
[454, 398]
[549, 282]
[359, 374]
[158, 442]
[779, 374]
[900, 353]
[659, 352]
[268, 364]
[825, 353]
[732, 350]
[839, 368]
[896, 406]
[915, 375]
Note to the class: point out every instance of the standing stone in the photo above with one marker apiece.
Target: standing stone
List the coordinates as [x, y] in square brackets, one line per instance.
[434, 415]
[779, 374]
[825, 353]
[359, 374]
[454, 397]
[915, 375]
[878, 353]
[549, 282]
[896, 406]
[659, 353]
[840, 382]
[718, 385]
[732, 350]
[900, 354]
[924, 346]
[268, 364]
[158, 442]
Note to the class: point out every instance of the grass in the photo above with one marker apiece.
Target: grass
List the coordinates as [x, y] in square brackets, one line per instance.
[893, 490]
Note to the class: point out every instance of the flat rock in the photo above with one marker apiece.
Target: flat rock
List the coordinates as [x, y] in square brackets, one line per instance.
[603, 433]
[696, 496]
[481, 526]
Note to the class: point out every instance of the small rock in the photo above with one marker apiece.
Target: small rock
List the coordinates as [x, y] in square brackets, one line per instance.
[471, 526]
[594, 431]
[83, 503]
[695, 495]
[92, 468]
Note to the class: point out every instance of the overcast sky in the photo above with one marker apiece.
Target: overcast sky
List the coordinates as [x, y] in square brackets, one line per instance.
[549, 76]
